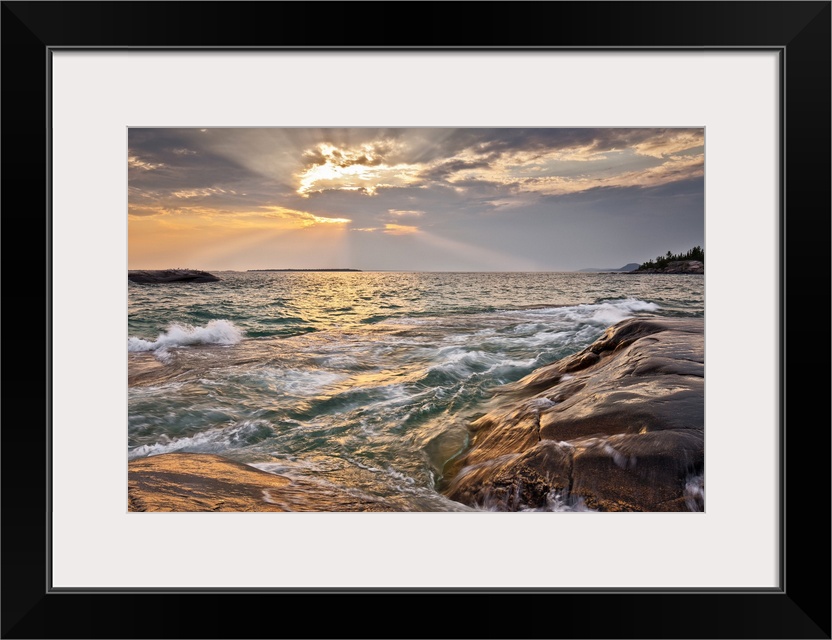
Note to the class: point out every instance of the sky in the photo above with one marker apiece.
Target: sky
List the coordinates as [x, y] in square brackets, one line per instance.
[412, 199]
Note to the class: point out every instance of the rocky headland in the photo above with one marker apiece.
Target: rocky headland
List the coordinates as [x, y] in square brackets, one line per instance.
[627, 267]
[618, 426]
[676, 266]
[170, 275]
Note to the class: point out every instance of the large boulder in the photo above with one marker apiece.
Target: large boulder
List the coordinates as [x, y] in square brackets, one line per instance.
[618, 426]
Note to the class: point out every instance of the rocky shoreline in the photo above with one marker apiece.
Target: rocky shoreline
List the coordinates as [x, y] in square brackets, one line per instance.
[618, 426]
[170, 275]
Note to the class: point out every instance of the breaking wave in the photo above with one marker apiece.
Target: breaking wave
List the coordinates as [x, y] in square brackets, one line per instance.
[219, 332]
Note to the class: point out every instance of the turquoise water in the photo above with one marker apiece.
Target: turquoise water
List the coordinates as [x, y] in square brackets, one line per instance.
[361, 381]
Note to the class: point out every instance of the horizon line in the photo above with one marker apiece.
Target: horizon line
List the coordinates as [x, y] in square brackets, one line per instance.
[356, 270]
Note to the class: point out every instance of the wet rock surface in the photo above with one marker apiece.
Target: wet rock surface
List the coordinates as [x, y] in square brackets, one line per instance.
[618, 426]
[208, 482]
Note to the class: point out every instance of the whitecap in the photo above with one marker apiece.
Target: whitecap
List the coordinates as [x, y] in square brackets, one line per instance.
[219, 332]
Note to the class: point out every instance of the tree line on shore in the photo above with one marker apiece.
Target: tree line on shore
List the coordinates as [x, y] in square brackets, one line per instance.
[697, 253]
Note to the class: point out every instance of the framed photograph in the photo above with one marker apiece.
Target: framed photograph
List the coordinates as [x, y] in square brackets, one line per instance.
[401, 319]
[410, 228]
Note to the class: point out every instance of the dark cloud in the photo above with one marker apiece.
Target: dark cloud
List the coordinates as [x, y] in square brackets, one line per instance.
[159, 162]
[442, 171]
[628, 198]
[177, 170]
[496, 142]
[142, 211]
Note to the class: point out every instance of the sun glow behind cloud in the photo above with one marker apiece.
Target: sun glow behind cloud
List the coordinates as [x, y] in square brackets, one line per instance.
[134, 162]
[302, 218]
[351, 169]
[391, 229]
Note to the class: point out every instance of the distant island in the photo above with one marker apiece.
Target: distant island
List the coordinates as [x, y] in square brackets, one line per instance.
[632, 266]
[691, 262]
[305, 270]
[164, 276]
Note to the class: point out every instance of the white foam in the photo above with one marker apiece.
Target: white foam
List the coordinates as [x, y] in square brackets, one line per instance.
[540, 338]
[557, 502]
[695, 492]
[211, 441]
[341, 362]
[297, 382]
[506, 365]
[221, 332]
[463, 361]
[634, 304]
[394, 394]
[162, 354]
[607, 312]
[621, 460]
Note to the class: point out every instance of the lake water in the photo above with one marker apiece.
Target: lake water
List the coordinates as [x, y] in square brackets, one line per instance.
[363, 382]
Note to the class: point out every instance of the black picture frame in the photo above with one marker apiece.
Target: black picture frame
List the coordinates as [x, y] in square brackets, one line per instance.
[799, 608]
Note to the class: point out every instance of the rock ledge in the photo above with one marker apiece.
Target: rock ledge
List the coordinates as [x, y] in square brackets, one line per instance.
[170, 275]
[618, 426]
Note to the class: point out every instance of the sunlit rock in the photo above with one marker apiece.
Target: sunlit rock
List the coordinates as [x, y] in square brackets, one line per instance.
[206, 482]
[618, 426]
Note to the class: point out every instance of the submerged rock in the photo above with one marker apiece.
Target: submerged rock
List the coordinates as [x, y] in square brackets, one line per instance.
[171, 275]
[618, 426]
[207, 482]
